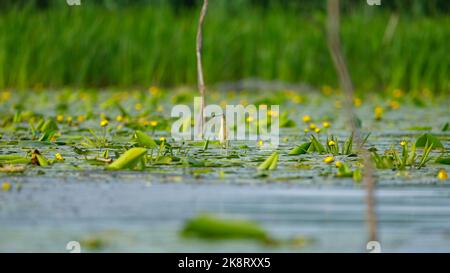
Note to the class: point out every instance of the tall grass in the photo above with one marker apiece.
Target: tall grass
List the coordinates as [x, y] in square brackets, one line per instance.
[93, 46]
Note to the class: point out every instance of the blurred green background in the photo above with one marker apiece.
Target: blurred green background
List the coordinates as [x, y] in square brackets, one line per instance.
[120, 43]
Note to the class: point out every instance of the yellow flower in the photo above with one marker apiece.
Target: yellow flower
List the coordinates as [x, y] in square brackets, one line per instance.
[119, 118]
[394, 105]
[153, 123]
[328, 159]
[326, 124]
[331, 143]
[339, 164]
[6, 186]
[397, 93]
[403, 143]
[59, 157]
[312, 126]
[60, 118]
[162, 139]
[442, 175]
[81, 118]
[154, 90]
[297, 99]
[357, 102]
[69, 120]
[5, 96]
[104, 122]
[249, 119]
[338, 104]
[119, 127]
[260, 143]
[138, 107]
[306, 118]
[317, 130]
[53, 138]
[378, 112]
[327, 90]
[306, 130]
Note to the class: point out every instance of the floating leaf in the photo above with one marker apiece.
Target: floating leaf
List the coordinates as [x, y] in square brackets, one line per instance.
[129, 160]
[270, 163]
[145, 140]
[302, 149]
[213, 228]
[12, 169]
[430, 139]
[443, 160]
[13, 159]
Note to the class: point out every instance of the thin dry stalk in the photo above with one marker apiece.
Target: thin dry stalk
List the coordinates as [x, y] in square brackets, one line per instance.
[334, 45]
[199, 49]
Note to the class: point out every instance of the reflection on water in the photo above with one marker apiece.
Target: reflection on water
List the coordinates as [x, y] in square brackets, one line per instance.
[138, 216]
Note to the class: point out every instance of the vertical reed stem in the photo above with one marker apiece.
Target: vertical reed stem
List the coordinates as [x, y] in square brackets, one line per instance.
[334, 45]
[199, 49]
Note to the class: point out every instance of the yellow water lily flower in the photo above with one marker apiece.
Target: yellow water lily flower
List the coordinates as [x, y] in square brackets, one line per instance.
[378, 112]
[81, 118]
[317, 130]
[326, 124]
[119, 118]
[306, 118]
[59, 157]
[328, 159]
[357, 102]
[331, 143]
[339, 164]
[403, 143]
[153, 123]
[6, 186]
[59, 118]
[442, 175]
[104, 122]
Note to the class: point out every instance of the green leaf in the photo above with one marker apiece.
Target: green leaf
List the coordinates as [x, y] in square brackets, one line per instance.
[145, 140]
[270, 163]
[42, 160]
[443, 160]
[430, 139]
[316, 146]
[302, 149]
[213, 228]
[357, 175]
[128, 160]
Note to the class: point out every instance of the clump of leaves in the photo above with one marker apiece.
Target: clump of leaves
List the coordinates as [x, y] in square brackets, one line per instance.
[393, 160]
[45, 129]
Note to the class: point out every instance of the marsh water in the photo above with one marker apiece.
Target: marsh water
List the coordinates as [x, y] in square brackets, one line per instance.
[144, 211]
